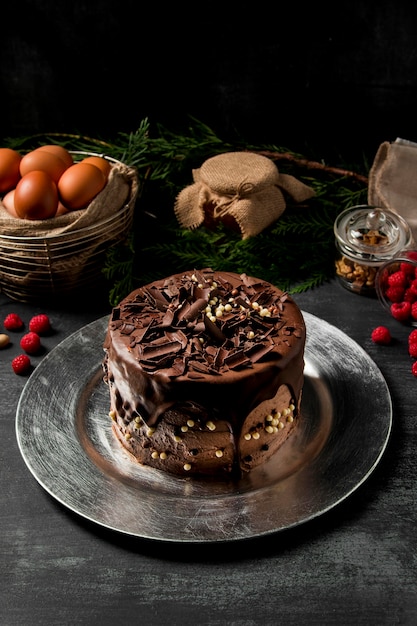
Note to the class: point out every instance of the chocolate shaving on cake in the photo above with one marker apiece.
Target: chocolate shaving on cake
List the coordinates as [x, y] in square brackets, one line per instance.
[237, 360]
[202, 367]
[214, 331]
[201, 322]
[257, 351]
[159, 348]
[126, 329]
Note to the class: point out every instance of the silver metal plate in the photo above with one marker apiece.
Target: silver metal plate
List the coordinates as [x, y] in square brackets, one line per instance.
[64, 435]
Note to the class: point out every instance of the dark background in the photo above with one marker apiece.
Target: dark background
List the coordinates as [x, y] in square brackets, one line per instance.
[332, 81]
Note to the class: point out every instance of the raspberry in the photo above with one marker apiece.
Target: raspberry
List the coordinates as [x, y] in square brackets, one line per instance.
[381, 335]
[409, 295]
[414, 310]
[401, 311]
[412, 337]
[412, 255]
[407, 269]
[414, 369]
[21, 364]
[412, 349]
[40, 324]
[397, 279]
[30, 343]
[395, 294]
[13, 322]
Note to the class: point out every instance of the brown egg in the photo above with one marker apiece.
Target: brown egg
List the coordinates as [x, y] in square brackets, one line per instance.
[9, 169]
[36, 196]
[59, 151]
[8, 203]
[61, 210]
[99, 162]
[79, 184]
[39, 160]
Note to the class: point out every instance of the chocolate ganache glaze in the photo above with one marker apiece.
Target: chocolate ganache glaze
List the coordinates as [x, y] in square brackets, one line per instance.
[205, 371]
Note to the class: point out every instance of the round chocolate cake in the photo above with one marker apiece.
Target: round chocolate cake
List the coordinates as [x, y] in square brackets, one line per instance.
[205, 371]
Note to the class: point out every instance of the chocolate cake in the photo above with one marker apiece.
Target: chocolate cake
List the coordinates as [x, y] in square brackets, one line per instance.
[205, 372]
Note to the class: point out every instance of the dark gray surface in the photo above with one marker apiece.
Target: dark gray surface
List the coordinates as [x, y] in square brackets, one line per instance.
[355, 564]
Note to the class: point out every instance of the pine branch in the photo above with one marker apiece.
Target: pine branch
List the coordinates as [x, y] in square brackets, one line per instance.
[313, 165]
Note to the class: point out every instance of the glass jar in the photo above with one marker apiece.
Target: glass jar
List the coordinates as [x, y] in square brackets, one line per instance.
[366, 237]
[396, 287]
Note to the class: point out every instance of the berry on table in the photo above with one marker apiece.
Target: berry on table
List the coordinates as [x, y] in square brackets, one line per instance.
[414, 369]
[381, 335]
[412, 349]
[40, 324]
[21, 364]
[30, 343]
[412, 337]
[13, 322]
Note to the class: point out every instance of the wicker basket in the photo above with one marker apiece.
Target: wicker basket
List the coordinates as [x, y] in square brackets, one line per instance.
[41, 268]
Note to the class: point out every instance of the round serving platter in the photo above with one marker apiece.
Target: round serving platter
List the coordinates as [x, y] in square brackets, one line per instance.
[64, 435]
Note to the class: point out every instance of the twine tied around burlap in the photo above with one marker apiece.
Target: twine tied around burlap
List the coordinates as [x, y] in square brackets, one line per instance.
[392, 182]
[244, 190]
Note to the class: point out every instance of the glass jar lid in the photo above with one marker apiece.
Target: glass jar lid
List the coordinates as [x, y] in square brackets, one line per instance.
[371, 234]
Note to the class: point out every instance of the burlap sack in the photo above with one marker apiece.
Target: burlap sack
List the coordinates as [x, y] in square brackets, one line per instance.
[393, 180]
[122, 184]
[241, 189]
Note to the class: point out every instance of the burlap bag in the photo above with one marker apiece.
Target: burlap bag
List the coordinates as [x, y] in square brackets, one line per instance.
[242, 189]
[393, 180]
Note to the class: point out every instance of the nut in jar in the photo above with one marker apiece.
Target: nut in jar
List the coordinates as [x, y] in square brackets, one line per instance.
[365, 238]
[360, 277]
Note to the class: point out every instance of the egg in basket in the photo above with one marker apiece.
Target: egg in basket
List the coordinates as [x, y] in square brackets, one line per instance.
[60, 212]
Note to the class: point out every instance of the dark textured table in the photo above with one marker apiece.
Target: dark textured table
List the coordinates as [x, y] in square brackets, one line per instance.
[355, 564]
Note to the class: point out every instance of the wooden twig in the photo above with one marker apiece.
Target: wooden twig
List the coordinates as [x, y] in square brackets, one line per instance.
[315, 165]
